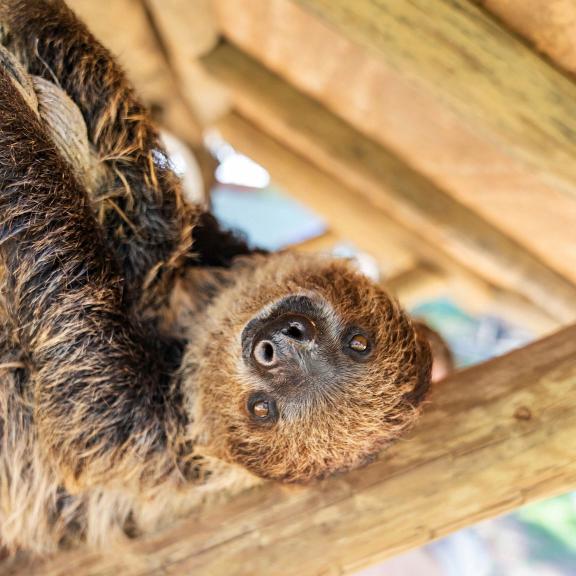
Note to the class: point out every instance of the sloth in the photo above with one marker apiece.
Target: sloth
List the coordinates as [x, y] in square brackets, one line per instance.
[148, 357]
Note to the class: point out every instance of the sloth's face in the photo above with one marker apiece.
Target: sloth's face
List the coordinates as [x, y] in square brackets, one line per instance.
[316, 369]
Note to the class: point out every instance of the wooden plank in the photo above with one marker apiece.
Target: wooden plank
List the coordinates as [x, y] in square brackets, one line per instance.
[550, 25]
[365, 166]
[466, 59]
[411, 118]
[495, 437]
[187, 30]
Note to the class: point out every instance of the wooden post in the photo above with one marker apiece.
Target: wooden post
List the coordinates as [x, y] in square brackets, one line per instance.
[493, 438]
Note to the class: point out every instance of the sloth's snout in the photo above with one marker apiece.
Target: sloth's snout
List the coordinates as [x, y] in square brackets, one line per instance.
[283, 340]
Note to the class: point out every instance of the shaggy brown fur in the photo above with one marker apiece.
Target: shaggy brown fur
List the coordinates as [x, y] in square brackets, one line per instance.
[107, 426]
[140, 204]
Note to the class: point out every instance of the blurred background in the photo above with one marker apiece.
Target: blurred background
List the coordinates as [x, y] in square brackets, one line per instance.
[432, 143]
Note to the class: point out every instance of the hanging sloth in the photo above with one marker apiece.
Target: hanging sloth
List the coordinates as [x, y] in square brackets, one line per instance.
[148, 357]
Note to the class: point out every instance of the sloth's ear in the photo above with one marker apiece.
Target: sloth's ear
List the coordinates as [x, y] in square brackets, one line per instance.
[442, 358]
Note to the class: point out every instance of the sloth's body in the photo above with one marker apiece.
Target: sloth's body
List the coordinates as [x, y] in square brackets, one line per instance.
[148, 357]
[42, 507]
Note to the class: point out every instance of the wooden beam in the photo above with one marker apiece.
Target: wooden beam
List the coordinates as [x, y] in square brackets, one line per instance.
[477, 67]
[549, 25]
[186, 30]
[413, 118]
[494, 438]
[186, 27]
[374, 172]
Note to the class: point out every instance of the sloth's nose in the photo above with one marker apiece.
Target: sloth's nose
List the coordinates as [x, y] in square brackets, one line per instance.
[283, 339]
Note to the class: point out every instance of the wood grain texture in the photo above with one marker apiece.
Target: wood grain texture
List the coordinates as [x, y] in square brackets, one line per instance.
[493, 438]
[186, 31]
[479, 69]
[549, 25]
[412, 118]
[365, 166]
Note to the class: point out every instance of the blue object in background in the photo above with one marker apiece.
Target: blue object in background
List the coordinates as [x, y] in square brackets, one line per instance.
[472, 339]
[269, 219]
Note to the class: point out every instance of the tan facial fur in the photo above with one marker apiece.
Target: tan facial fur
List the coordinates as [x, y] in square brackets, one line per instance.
[321, 427]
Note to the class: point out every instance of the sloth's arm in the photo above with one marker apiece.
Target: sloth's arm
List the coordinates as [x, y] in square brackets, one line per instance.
[148, 221]
[102, 395]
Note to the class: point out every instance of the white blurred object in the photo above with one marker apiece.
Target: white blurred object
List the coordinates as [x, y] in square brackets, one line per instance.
[186, 167]
[242, 171]
[464, 553]
[235, 168]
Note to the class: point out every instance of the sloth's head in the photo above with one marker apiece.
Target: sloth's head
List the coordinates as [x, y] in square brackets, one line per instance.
[303, 367]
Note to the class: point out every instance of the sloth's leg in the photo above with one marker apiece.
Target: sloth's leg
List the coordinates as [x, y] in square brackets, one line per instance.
[148, 221]
[103, 396]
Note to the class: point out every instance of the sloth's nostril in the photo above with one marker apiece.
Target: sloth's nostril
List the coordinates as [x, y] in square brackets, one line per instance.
[282, 340]
[298, 328]
[264, 353]
[294, 331]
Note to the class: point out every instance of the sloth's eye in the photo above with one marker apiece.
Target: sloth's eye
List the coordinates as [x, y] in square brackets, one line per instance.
[358, 343]
[262, 408]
